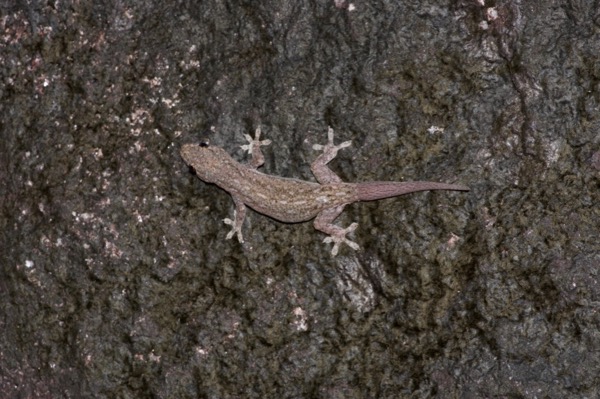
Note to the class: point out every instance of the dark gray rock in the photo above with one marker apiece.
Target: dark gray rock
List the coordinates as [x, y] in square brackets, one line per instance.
[116, 280]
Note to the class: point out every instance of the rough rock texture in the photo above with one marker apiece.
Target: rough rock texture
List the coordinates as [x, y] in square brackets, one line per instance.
[116, 280]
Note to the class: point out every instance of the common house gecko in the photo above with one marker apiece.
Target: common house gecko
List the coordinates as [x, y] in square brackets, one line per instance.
[292, 200]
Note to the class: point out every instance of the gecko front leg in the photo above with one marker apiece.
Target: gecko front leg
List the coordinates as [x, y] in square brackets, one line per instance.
[253, 148]
[239, 214]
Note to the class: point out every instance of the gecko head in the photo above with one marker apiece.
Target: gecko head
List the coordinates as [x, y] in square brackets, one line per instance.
[206, 160]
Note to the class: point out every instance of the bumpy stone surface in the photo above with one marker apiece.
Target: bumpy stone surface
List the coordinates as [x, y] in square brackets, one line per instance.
[114, 280]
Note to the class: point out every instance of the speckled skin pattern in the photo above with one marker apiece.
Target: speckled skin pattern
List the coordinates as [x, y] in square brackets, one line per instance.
[293, 200]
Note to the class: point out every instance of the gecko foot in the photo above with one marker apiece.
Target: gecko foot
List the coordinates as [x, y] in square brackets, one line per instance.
[236, 228]
[339, 237]
[330, 150]
[254, 143]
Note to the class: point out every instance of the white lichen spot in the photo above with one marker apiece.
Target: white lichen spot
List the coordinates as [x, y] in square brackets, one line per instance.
[97, 153]
[170, 102]
[138, 216]
[137, 147]
[153, 358]
[29, 264]
[112, 250]
[435, 129]
[452, 240]
[201, 351]
[354, 285]
[300, 322]
[154, 82]
[85, 216]
[491, 14]
[139, 116]
[553, 152]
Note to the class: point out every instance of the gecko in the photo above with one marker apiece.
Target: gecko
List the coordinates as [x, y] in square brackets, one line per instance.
[292, 200]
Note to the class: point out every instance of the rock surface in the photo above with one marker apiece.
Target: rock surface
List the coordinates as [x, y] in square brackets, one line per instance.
[116, 280]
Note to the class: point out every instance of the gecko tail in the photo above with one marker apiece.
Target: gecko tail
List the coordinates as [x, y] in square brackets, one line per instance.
[370, 191]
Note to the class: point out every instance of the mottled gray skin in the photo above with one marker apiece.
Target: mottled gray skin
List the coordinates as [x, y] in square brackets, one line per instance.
[284, 199]
[293, 200]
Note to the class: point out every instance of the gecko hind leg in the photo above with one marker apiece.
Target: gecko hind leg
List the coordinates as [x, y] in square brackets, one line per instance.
[319, 167]
[253, 148]
[337, 235]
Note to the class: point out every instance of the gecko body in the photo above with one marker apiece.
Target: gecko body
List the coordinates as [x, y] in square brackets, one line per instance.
[293, 200]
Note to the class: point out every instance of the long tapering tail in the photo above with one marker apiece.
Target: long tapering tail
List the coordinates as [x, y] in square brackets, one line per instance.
[370, 191]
